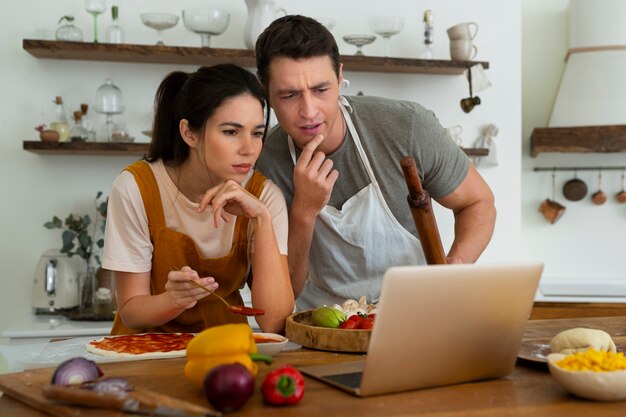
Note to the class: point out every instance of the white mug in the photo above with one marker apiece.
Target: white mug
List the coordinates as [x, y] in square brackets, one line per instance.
[462, 50]
[463, 31]
[454, 133]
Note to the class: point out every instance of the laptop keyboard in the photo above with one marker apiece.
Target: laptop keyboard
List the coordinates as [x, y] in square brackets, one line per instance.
[352, 380]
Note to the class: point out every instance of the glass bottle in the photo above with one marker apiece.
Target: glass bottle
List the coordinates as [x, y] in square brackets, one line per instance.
[114, 32]
[78, 131]
[427, 51]
[87, 124]
[59, 123]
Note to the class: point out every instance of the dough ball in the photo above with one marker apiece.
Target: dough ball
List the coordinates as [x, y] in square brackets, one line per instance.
[581, 339]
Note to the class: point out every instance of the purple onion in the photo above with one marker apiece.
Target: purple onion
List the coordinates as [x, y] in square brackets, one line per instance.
[113, 386]
[76, 371]
[228, 387]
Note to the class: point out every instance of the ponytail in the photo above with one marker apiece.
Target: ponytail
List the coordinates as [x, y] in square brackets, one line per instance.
[167, 144]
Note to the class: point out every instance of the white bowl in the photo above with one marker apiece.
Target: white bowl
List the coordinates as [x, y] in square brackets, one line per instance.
[159, 21]
[270, 348]
[209, 21]
[599, 386]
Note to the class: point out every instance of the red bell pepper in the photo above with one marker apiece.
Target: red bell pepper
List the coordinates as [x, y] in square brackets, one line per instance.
[282, 386]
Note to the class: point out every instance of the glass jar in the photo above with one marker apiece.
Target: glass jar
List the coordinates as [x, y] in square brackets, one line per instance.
[87, 124]
[86, 292]
[78, 132]
[105, 304]
[68, 31]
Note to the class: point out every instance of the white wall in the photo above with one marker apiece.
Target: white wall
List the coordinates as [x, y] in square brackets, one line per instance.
[36, 187]
[588, 242]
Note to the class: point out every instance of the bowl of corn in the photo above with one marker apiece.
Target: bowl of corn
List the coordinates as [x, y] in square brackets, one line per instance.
[592, 374]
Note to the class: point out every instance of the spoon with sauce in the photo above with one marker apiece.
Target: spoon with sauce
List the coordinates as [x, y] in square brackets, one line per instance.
[246, 311]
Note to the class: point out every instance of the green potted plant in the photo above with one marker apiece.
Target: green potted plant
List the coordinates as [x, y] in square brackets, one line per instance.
[79, 240]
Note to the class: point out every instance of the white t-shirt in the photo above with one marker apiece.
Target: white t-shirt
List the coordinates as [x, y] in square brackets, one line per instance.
[127, 245]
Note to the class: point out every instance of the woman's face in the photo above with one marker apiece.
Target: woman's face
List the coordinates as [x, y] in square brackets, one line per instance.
[233, 137]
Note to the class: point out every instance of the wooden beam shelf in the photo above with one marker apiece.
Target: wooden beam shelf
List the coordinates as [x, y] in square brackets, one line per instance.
[127, 148]
[86, 148]
[581, 139]
[182, 55]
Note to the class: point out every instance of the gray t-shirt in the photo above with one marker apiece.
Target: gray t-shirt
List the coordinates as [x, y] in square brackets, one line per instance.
[389, 130]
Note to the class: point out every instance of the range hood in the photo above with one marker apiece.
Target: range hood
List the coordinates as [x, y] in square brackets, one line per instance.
[589, 113]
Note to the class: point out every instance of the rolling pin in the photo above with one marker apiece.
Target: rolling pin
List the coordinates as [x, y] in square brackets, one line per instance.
[423, 216]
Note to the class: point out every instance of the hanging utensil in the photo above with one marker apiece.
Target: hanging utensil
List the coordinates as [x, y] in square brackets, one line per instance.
[599, 197]
[423, 216]
[551, 209]
[621, 196]
[468, 104]
[575, 189]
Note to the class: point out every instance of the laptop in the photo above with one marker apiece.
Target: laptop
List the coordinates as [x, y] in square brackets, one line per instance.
[440, 325]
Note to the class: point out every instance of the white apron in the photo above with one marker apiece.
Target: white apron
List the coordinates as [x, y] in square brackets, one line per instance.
[352, 248]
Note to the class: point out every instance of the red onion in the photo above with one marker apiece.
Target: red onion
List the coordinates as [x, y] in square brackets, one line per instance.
[76, 371]
[113, 386]
[228, 387]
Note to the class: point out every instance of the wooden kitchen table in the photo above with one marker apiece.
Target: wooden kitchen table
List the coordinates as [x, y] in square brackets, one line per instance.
[528, 391]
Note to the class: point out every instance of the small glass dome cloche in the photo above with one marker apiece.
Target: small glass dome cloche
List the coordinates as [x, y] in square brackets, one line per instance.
[109, 98]
[68, 31]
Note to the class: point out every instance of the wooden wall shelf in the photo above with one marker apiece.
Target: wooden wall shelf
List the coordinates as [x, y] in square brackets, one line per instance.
[86, 148]
[122, 148]
[582, 139]
[181, 55]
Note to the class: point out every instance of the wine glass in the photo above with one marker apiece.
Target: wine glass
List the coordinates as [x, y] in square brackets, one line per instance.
[159, 22]
[359, 41]
[95, 8]
[386, 26]
[206, 23]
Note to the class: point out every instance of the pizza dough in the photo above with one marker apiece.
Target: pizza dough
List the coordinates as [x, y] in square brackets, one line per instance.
[581, 339]
[141, 346]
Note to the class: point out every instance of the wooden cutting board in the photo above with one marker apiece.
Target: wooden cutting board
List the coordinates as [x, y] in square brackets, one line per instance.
[300, 329]
[165, 376]
[26, 387]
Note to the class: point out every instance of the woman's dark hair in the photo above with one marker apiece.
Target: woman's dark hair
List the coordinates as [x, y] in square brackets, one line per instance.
[294, 37]
[194, 96]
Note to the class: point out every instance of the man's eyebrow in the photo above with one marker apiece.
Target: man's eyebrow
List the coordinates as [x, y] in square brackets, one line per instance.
[317, 86]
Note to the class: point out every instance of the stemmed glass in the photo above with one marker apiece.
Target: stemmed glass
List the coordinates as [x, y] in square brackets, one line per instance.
[359, 41]
[386, 26]
[159, 22]
[95, 8]
[206, 23]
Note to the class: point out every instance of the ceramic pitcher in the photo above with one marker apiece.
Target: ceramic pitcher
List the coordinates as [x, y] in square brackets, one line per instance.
[260, 14]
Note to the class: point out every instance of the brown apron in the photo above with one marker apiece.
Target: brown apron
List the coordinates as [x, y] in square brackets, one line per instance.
[173, 249]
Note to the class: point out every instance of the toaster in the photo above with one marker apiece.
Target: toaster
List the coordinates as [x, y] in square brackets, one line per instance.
[56, 282]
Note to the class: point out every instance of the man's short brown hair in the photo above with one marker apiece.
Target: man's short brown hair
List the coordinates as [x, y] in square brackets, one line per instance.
[295, 37]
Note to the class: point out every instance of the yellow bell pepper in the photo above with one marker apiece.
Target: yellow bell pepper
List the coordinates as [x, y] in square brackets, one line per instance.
[220, 345]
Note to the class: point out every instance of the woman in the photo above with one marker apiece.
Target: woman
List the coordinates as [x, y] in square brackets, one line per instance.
[196, 210]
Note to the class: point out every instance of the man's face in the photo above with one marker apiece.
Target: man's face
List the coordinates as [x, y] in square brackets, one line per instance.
[304, 94]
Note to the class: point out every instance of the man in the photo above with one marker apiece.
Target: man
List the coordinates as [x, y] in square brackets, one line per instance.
[337, 161]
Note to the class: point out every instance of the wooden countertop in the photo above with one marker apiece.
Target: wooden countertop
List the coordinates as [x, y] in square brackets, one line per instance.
[528, 391]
